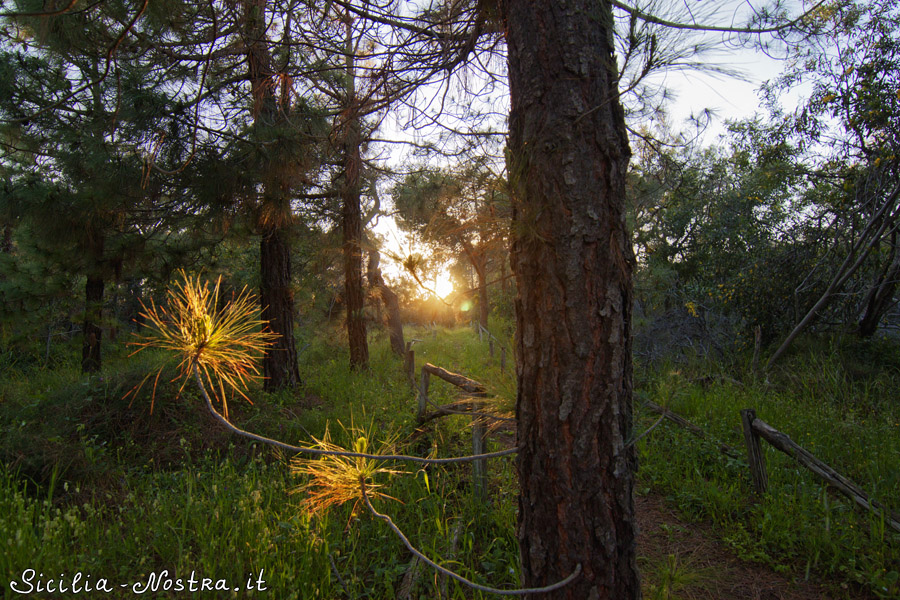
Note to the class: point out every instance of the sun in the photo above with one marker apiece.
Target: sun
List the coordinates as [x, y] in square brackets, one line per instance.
[442, 284]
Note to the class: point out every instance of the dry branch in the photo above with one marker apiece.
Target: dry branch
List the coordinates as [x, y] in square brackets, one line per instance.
[319, 452]
[457, 577]
[460, 381]
[692, 428]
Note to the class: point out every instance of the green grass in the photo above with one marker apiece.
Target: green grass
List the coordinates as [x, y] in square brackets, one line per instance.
[138, 493]
[94, 485]
[850, 422]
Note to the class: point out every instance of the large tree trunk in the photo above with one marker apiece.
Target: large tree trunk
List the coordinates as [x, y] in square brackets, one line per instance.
[568, 154]
[354, 293]
[93, 332]
[276, 297]
[280, 359]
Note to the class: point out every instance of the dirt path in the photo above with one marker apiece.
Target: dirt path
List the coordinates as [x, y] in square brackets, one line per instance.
[685, 561]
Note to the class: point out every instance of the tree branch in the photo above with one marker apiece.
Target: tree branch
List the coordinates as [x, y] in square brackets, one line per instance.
[460, 578]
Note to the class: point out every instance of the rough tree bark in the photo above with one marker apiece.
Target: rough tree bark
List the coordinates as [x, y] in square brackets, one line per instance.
[351, 216]
[351, 220]
[280, 367]
[568, 152]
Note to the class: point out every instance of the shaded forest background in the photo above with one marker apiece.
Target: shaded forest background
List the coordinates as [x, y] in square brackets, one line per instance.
[262, 143]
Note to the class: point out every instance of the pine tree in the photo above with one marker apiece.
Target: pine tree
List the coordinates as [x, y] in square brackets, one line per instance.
[80, 106]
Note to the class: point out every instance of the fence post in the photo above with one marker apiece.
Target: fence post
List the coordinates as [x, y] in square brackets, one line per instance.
[411, 364]
[754, 453]
[423, 394]
[479, 467]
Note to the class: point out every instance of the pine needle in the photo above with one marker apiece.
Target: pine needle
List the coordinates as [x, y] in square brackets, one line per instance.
[223, 342]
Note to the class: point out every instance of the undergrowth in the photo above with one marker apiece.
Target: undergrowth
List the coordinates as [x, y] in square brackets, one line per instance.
[837, 400]
[97, 484]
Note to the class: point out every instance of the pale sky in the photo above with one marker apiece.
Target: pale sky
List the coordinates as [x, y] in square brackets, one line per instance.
[729, 98]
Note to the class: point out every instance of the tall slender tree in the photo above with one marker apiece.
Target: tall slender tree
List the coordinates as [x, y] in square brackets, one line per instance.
[349, 137]
[77, 120]
[271, 107]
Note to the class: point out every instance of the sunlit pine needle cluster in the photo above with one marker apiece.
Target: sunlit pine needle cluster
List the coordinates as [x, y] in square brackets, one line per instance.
[335, 480]
[224, 343]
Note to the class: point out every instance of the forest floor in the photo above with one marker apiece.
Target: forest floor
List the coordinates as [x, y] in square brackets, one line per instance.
[688, 562]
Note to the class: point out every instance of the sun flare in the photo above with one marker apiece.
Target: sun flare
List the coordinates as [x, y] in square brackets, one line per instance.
[442, 284]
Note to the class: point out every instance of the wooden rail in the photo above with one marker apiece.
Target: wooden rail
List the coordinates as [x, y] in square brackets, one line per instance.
[479, 431]
[760, 429]
[491, 338]
[755, 429]
[694, 429]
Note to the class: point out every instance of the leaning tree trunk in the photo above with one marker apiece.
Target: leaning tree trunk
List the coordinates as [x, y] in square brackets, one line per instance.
[93, 332]
[277, 299]
[391, 305]
[880, 298]
[571, 256]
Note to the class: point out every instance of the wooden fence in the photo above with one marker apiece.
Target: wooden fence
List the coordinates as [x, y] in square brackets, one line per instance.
[756, 429]
[471, 405]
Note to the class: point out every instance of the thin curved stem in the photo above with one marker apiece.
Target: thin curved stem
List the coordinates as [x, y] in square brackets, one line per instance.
[457, 577]
[648, 18]
[319, 452]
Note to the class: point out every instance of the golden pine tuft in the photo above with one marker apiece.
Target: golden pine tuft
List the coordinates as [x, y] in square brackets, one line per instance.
[224, 343]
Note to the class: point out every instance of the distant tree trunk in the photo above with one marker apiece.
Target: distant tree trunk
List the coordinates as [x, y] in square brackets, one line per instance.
[571, 254]
[880, 297]
[391, 305]
[133, 305]
[6, 242]
[354, 293]
[276, 297]
[484, 308]
[280, 360]
[479, 260]
[93, 332]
